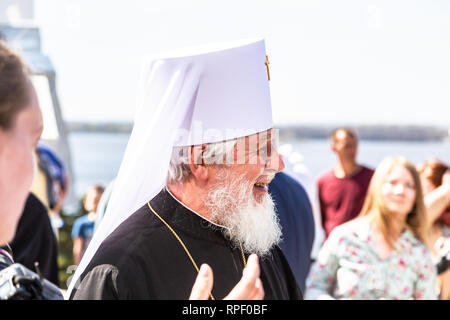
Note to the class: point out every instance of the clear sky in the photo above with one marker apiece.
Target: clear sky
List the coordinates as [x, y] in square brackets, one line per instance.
[353, 62]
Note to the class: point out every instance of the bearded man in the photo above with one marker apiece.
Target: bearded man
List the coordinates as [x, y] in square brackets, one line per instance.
[214, 207]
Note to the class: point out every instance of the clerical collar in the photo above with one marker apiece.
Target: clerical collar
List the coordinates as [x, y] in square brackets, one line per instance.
[199, 215]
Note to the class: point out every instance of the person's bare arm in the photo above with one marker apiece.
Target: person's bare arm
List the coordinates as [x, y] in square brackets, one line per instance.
[439, 199]
[444, 285]
[248, 288]
[77, 249]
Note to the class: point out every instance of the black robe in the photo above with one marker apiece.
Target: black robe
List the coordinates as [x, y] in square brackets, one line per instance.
[142, 259]
[35, 240]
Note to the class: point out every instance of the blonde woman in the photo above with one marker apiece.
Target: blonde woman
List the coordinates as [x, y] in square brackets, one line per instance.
[381, 254]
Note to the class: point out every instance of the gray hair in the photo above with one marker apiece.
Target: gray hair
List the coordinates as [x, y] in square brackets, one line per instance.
[215, 153]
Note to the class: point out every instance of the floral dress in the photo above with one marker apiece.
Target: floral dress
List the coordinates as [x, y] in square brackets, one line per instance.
[349, 267]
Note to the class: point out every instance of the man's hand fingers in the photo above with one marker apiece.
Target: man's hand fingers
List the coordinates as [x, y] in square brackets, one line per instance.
[250, 286]
[252, 269]
[258, 292]
[245, 289]
[203, 284]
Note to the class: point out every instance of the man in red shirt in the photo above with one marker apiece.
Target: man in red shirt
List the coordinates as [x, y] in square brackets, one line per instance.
[342, 190]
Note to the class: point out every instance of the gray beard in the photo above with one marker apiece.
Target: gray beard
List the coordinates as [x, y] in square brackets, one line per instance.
[254, 225]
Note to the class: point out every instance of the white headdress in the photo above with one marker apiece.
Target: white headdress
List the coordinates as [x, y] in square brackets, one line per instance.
[206, 95]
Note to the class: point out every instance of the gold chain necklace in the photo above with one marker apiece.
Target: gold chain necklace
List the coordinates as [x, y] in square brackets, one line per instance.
[184, 246]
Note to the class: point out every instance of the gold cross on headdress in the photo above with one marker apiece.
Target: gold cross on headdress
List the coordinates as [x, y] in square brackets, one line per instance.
[267, 65]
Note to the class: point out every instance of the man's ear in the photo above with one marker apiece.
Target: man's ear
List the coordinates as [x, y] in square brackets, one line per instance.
[198, 168]
[281, 163]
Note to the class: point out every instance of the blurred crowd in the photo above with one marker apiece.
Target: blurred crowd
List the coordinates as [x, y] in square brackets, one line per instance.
[386, 231]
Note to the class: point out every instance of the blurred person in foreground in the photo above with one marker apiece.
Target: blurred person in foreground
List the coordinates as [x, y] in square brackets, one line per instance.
[21, 126]
[435, 177]
[83, 227]
[20, 129]
[383, 253]
[342, 190]
[192, 188]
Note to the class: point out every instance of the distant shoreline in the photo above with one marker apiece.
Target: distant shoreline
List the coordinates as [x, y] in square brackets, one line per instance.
[299, 132]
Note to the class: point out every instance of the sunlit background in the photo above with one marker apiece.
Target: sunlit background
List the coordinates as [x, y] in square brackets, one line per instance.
[347, 61]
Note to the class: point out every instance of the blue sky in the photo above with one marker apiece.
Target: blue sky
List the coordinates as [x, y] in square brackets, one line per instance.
[352, 62]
